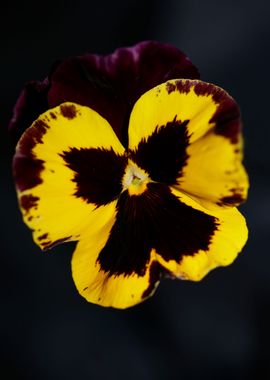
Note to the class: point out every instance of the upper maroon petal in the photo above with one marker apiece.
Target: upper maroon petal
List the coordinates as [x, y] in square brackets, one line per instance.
[30, 104]
[108, 84]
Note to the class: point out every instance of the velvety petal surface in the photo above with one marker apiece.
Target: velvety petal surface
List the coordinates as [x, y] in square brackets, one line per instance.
[68, 169]
[187, 134]
[111, 84]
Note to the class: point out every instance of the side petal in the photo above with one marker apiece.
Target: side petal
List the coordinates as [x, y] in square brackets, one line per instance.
[187, 134]
[68, 168]
[226, 242]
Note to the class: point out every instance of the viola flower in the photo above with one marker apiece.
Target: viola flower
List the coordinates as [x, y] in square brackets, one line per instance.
[142, 169]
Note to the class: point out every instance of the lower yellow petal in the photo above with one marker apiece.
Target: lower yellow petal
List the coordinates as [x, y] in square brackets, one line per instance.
[99, 287]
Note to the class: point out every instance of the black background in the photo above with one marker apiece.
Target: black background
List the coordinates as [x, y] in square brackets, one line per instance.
[215, 329]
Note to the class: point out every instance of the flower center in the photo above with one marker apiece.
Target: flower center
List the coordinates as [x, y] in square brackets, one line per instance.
[135, 179]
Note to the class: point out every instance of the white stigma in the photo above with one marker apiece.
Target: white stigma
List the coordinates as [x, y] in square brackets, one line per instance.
[133, 175]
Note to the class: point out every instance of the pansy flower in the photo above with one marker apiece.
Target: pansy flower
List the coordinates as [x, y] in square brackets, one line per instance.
[140, 162]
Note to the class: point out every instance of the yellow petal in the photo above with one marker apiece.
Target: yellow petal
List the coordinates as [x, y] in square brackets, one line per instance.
[214, 172]
[180, 100]
[57, 201]
[186, 133]
[226, 243]
[100, 287]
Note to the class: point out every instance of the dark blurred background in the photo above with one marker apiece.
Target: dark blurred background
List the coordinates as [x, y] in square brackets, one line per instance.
[216, 329]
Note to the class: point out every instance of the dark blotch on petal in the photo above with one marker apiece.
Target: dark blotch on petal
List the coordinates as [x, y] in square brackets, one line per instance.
[98, 173]
[28, 201]
[68, 111]
[33, 137]
[43, 237]
[27, 172]
[235, 199]
[155, 219]
[26, 166]
[49, 244]
[181, 86]
[53, 116]
[170, 87]
[163, 155]
[227, 120]
[227, 116]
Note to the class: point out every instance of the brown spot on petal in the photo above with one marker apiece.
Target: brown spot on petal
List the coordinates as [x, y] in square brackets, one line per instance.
[32, 137]
[41, 126]
[28, 201]
[234, 199]
[49, 244]
[53, 116]
[206, 89]
[170, 87]
[68, 111]
[43, 237]
[26, 166]
[183, 86]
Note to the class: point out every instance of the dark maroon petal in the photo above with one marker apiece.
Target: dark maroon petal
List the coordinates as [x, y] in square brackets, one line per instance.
[30, 104]
[108, 84]
[112, 84]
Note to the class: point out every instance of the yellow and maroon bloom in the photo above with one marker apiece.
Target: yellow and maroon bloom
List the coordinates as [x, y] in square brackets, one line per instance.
[145, 177]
